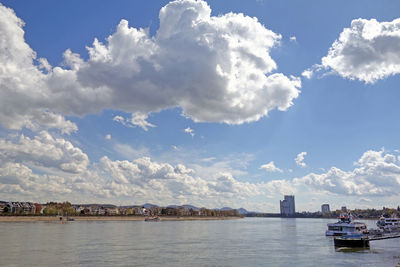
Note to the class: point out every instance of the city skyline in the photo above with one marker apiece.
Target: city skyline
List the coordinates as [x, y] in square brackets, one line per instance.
[211, 103]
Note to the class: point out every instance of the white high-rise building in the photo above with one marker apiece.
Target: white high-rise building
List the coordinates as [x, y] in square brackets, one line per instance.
[287, 206]
[325, 208]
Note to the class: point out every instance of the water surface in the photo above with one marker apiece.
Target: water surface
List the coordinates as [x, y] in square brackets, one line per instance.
[249, 241]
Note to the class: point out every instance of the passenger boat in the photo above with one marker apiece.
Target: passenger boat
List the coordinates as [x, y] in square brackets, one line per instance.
[388, 224]
[346, 226]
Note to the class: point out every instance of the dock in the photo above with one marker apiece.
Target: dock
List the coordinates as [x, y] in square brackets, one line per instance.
[362, 240]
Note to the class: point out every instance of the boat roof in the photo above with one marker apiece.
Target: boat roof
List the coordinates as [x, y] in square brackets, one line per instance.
[346, 224]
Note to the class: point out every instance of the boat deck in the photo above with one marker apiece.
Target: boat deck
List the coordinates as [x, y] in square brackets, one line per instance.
[383, 236]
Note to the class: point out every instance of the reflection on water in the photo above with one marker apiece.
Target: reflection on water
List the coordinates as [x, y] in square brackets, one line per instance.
[347, 249]
[244, 242]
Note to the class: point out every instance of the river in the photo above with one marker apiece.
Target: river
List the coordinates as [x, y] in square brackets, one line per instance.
[242, 242]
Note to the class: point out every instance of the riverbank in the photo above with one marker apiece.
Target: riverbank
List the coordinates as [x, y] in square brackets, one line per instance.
[109, 218]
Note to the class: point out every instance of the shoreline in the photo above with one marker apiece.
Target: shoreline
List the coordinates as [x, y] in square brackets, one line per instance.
[109, 218]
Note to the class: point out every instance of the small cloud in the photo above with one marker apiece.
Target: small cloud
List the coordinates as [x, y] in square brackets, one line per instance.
[176, 148]
[270, 167]
[140, 119]
[364, 200]
[300, 159]
[293, 38]
[137, 119]
[308, 73]
[189, 131]
[208, 159]
[108, 136]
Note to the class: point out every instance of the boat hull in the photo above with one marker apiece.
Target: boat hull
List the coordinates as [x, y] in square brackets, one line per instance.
[351, 242]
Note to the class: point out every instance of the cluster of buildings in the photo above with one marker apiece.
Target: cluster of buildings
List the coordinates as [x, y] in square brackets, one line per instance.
[54, 208]
[29, 208]
[325, 208]
[19, 207]
[287, 207]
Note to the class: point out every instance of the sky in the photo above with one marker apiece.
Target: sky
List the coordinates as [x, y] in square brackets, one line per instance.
[217, 103]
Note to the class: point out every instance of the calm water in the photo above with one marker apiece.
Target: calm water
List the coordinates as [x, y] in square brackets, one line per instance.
[250, 241]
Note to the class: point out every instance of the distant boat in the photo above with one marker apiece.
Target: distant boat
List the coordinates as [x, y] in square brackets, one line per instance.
[346, 226]
[154, 219]
[388, 224]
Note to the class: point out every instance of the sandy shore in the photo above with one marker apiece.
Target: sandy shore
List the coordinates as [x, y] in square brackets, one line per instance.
[106, 218]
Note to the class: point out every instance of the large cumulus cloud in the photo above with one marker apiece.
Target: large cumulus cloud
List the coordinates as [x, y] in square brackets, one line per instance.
[215, 68]
[368, 51]
[44, 167]
[44, 151]
[146, 178]
[376, 174]
[24, 93]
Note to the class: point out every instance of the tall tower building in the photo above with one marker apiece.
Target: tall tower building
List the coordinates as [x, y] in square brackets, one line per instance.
[325, 208]
[287, 206]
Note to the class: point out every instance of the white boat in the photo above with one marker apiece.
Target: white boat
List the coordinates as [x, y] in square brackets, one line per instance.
[346, 226]
[388, 224]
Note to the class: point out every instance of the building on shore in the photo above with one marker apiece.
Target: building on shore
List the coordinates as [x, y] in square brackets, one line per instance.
[344, 209]
[325, 208]
[287, 206]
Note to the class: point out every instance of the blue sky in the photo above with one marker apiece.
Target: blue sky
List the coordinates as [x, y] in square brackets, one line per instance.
[210, 107]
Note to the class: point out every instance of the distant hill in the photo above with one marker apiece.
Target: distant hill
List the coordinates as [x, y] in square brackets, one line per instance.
[188, 207]
[242, 211]
[100, 205]
[225, 208]
[148, 205]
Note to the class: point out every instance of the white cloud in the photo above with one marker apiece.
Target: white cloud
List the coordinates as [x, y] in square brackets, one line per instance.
[210, 159]
[40, 168]
[300, 159]
[307, 73]
[137, 119]
[293, 38]
[24, 96]
[189, 131]
[376, 174]
[270, 167]
[108, 136]
[368, 51]
[215, 68]
[44, 151]
[19, 180]
[44, 167]
[365, 200]
[170, 183]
